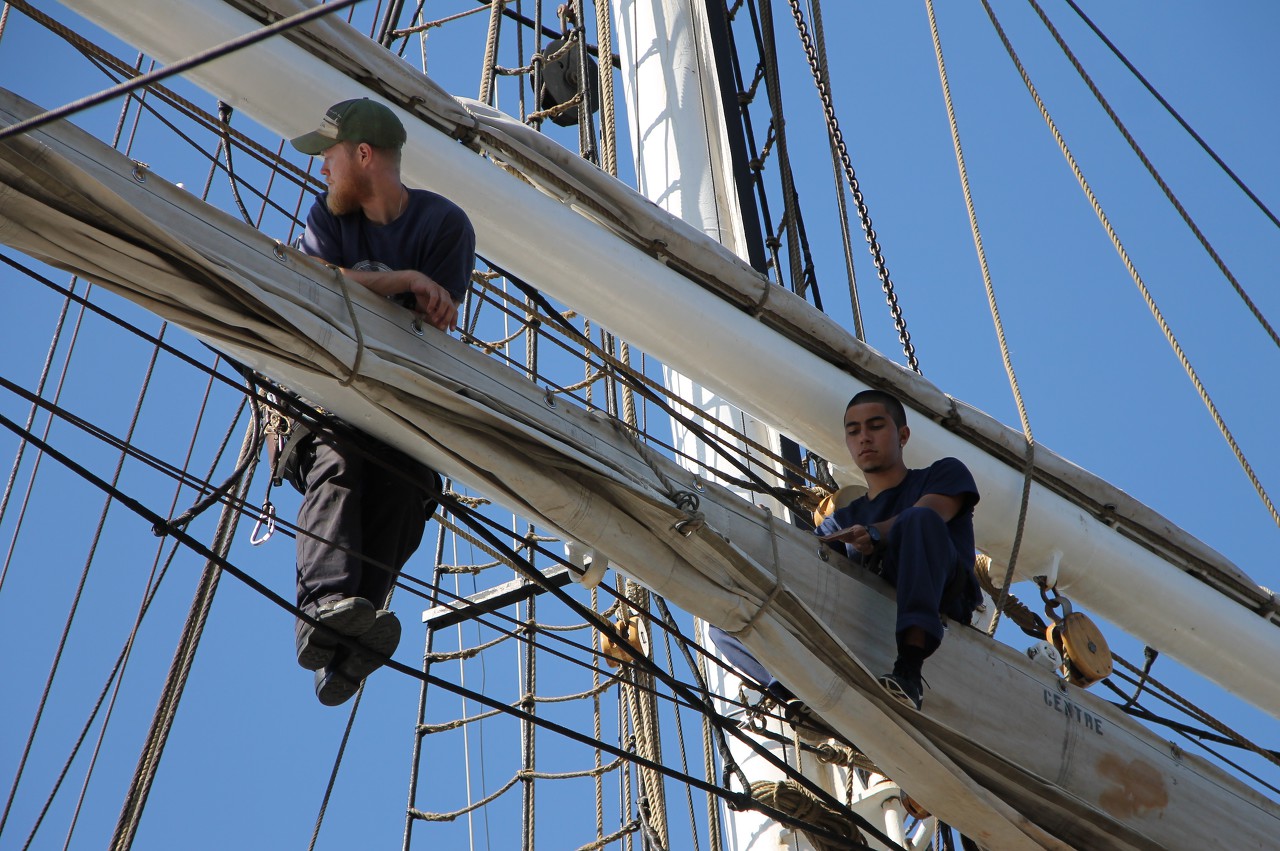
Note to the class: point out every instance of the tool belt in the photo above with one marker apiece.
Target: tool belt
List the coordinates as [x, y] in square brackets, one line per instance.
[286, 439]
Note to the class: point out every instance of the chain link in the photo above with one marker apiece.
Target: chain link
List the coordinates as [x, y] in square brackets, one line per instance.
[864, 216]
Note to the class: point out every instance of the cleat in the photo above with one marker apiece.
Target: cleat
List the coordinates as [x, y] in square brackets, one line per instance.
[352, 616]
[905, 688]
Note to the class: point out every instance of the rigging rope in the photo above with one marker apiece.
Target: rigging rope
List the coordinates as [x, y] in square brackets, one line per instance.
[864, 215]
[162, 723]
[79, 590]
[1133, 272]
[1029, 463]
[842, 206]
[1177, 117]
[1155, 175]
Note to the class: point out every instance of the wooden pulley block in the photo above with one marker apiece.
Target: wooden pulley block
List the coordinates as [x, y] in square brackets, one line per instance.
[1086, 658]
[913, 808]
[632, 630]
[832, 501]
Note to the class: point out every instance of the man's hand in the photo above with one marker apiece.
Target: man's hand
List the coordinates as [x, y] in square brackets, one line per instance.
[855, 536]
[434, 302]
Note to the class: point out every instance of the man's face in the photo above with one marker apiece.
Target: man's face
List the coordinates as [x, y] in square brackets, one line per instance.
[347, 184]
[874, 442]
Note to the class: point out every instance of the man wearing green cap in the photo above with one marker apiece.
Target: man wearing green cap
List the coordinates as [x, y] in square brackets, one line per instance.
[364, 504]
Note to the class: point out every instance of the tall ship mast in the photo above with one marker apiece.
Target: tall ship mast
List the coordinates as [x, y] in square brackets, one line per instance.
[597, 318]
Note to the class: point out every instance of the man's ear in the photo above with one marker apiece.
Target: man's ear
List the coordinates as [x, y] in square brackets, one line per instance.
[904, 434]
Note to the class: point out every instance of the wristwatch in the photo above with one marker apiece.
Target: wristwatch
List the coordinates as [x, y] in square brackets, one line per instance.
[874, 534]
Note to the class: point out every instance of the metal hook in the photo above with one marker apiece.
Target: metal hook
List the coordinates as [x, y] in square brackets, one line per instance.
[267, 515]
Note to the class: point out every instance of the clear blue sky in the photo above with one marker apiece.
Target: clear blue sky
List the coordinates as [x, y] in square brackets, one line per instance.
[251, 751]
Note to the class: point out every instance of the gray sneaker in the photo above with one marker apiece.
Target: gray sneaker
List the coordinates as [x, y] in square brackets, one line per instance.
[353, 616]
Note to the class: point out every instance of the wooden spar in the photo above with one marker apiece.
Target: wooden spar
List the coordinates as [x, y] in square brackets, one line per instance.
[1004, 751]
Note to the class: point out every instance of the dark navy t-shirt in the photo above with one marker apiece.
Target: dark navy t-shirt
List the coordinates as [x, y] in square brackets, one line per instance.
[433, 235]
[946, 477]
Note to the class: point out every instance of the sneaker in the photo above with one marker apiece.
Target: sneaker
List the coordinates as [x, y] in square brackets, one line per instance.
[904, 687]
[352, 616]
[808, 726]
[377, 644]
[332, 688]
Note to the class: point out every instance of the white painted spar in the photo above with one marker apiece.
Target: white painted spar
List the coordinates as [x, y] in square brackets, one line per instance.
[287, 89]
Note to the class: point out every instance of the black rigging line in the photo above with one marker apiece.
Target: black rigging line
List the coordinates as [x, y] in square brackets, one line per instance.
[187, 64]
[1176, 116]
[738, 799]
[220, 495]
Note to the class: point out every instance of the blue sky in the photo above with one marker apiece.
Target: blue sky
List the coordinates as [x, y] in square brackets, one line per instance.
[252, 750]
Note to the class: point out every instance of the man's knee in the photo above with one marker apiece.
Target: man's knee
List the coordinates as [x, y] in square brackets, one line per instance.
[918, 522]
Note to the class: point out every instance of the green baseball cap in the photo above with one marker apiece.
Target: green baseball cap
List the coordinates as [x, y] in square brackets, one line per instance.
[359, 120]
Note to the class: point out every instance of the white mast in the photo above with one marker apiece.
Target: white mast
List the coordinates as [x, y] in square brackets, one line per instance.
[683, 163]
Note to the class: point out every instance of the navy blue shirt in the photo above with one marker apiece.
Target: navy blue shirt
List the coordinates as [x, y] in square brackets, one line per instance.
[433, 235]
[946, 477]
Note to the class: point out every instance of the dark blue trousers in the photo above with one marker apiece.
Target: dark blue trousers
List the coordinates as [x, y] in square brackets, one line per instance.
[919, 560]
[922, 563]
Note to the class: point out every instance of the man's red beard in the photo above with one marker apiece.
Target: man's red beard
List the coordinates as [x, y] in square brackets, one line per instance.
[344, 196]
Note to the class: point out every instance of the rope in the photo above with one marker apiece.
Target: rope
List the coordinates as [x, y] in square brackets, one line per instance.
[608, 117]
[864, 216]
[1029, 465]
[157, 575]
[355, 325]
[1155, 175]
[1173, 112]
[184, 65]
[773, 89]
[490, 51]
[789, 796]
[180, 669]
[80, 585]
[1133, 272]
[54, 340]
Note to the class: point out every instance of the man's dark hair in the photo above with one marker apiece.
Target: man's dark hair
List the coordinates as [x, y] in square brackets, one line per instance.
[897, 413]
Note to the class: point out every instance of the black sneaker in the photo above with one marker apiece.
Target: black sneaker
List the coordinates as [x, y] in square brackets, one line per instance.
[808, 725]
[352, 616]
[904, 687]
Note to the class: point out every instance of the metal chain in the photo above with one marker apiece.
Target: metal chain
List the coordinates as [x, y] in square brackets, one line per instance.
[864, 216]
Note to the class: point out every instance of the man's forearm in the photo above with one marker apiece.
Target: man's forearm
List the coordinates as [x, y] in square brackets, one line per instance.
[384, 283]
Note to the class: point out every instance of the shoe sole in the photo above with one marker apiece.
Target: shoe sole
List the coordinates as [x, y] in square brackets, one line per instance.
[381, 640]
[333, 689]
[348, 617]
[897, 692]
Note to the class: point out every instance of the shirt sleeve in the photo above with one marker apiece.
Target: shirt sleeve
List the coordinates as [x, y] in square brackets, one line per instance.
[950, 477]
[322, 238]
[451, 254]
